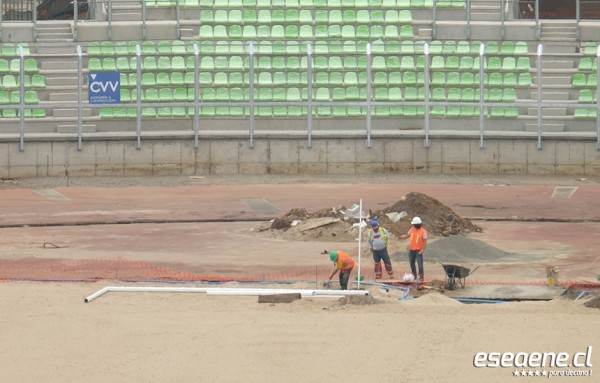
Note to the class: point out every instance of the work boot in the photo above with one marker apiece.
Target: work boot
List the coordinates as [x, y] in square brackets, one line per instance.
[421, 278]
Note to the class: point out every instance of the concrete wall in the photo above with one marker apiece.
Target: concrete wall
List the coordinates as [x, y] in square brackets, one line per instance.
[218, 155]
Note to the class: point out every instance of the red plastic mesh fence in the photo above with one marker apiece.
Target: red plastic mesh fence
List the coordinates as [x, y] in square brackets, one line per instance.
[128, 270]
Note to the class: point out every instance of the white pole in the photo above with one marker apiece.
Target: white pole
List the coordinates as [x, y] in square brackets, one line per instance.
[222, 291]
[359, 238]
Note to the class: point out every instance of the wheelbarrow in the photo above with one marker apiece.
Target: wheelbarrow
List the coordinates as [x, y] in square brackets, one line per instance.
[456, 275]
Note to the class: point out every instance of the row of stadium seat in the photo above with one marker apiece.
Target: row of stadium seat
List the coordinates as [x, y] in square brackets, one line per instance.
[30, 97]
[10, 81]
[14, 65]
[403, 4]
[27, 113]
[352, 93]
[331, 63]
[12, 49]
[302, 112]
[326, 78]
[305, 16]
[305, 32]
[178, 47]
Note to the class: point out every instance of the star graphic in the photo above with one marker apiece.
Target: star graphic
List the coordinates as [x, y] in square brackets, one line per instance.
[544, 373]
[537, 373]
[523, 373]
[529, 373]
[515, 373]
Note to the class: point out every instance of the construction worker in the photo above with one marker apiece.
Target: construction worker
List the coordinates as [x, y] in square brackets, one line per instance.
[343, 263]
[416, 246]
[377, 241]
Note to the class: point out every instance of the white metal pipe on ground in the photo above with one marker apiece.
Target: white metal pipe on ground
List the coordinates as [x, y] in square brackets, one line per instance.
[214, 290]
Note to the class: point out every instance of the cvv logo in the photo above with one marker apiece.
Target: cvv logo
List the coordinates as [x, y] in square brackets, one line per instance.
[104, 88]
[97, 86]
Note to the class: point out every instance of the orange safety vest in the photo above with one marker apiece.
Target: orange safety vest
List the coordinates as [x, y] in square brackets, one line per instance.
[417, 242]
[344, 261]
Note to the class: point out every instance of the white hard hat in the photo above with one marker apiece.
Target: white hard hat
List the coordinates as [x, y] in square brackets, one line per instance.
[416, 221]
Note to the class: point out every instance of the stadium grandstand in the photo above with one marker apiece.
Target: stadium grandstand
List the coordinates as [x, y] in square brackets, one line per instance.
[115, 69]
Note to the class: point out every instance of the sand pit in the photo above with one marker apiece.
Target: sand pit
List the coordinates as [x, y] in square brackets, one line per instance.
[50, 335]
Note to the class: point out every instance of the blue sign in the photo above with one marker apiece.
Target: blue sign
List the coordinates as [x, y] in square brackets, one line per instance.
[104, 88]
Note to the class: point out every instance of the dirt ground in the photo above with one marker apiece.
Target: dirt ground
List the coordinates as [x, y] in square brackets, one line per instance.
[48, 334]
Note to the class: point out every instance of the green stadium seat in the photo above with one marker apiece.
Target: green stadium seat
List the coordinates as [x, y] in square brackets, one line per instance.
[162, 78]
[438, 78]
[509, 79]
[463, 48]
[521, 48]
[524, 64]
[586, 96]
[525, 79]
[592, 80]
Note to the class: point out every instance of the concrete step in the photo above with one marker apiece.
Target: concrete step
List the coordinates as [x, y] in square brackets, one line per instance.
[72, 128]
[545, 127]
[551, 96]
[72, 112]
[58, 64]
[424, 33]
[129, 16]
[61, 81]
[485, 17]
[66, 96]
[557, 80]
[51, 49]
[548, 112]
[557, 64]
[188, 33]
[53, 39]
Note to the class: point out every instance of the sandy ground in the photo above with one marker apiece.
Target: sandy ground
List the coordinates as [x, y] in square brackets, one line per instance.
[49, 335]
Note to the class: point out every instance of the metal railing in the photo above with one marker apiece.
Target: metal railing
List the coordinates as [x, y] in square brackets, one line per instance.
[508, 10]
[368, 103]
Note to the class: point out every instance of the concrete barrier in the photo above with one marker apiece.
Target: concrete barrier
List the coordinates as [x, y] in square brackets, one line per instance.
[158, 155]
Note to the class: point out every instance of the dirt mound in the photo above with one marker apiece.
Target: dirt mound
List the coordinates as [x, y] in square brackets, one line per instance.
[593, 303]
[338, 224]
[357, 300]
[437, 218]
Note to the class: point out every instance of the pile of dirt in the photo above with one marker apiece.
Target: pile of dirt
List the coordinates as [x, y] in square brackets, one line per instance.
[437, 218]
[593, 303]
[339, 224]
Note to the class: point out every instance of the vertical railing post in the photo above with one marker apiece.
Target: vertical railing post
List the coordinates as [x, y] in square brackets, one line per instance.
[426, 95]
[578, 16]
[369, 94]
[138, 99]
[598, 99]
[34, 19]
[1, 12]
[143, 20]
[502, 17]
[110, 19]
[196, 95]
[434, 19]
[538, 32]
[468, 10]
[75, 18]
[309, 89]
[540, 51]
[481, 95]
[22, 100]
[251, 95]
[79, 98]
[178, 25]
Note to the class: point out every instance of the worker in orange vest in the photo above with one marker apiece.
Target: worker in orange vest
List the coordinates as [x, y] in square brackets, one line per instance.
[416, 246]
[342, 263]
